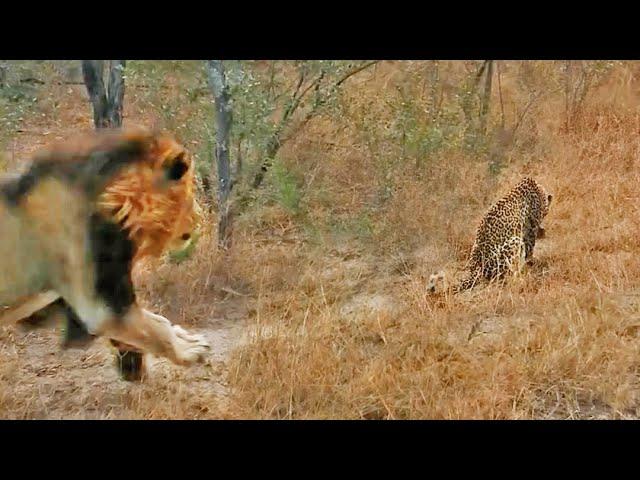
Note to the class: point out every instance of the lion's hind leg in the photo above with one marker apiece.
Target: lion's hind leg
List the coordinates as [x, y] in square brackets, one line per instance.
[28, 307]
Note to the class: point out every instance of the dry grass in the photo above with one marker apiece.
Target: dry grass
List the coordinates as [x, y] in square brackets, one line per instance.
[338, 323]
[561, 342]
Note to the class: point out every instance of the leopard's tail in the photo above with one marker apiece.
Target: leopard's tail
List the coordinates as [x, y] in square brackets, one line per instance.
[469, 282]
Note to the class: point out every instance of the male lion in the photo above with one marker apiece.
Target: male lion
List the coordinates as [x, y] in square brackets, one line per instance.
[57, 240]
[156, 219]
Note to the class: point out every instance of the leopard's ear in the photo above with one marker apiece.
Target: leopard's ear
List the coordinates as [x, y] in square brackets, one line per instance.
[549, 198]
[433, 279]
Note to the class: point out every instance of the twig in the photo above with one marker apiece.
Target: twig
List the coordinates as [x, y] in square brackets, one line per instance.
[233, 292]
[354, 71]
[500, 92]
[531, 101]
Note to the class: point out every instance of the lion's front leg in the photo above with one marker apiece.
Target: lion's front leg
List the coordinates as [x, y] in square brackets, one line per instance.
[155, 334]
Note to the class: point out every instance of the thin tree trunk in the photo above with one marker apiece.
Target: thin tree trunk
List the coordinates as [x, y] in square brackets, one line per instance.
[219, 87]
[3, 74]
[502, 117]
[486, 98]
[116, 93]
[92, 72]
[107, 102]
[468, 100]
[434, 80]
[238, 170]
[567, 94]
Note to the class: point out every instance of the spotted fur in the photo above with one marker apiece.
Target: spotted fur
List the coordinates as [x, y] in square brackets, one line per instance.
[506, 236]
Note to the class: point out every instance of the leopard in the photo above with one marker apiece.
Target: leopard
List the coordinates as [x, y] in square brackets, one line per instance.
[505, 238]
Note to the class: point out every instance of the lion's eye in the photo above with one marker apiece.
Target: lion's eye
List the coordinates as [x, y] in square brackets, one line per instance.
[178, 168]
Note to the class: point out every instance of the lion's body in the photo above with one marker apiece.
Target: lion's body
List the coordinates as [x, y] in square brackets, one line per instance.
[506, 236]
[24, 257]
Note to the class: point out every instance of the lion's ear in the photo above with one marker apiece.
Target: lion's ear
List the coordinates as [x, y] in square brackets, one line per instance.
[176, 169]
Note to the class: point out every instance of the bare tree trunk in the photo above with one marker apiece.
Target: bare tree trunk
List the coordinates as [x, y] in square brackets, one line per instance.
[220, 89]
[486, 98]
[107, 113]
[107, 104]
[116, 93]
[92, 71]
[3, 75]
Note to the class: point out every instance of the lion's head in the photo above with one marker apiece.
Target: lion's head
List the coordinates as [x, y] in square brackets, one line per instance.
[153, 199]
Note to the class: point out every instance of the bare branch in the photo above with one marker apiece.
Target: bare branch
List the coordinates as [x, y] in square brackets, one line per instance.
[276, 140]
[354, 71]
[300, 82]
[294, 101]
[500, 93]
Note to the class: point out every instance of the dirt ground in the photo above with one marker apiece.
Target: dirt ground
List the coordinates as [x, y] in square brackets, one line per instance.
[49, 383]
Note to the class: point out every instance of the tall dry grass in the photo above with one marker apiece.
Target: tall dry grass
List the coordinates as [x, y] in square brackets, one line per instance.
[343, 327]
